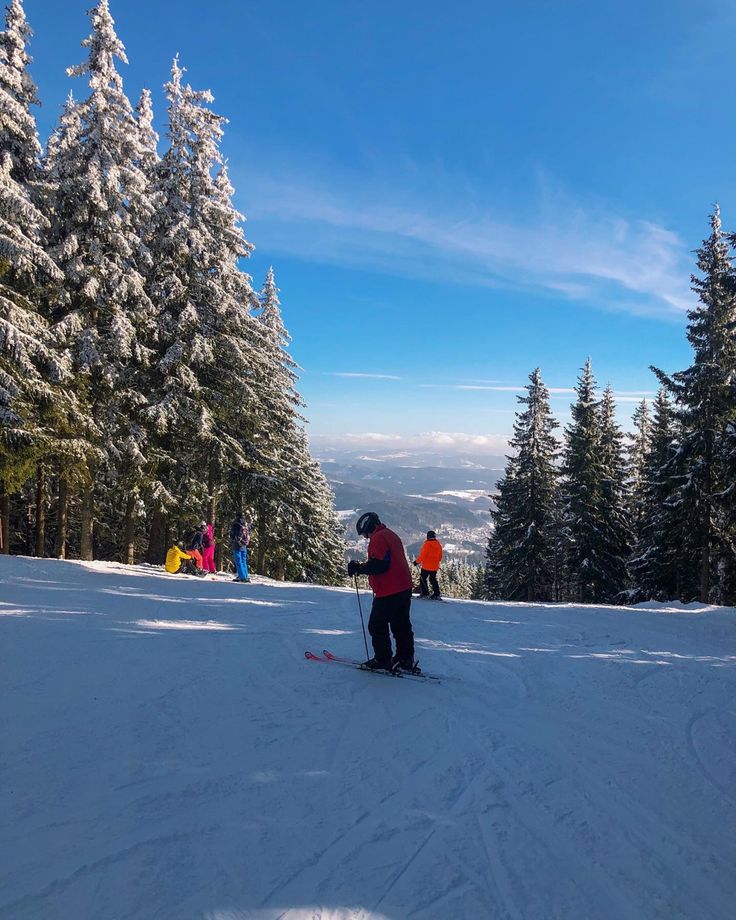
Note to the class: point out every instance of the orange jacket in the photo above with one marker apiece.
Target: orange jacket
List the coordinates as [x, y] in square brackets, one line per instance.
[430, 555]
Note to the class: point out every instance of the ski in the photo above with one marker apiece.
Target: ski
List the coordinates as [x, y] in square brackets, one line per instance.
[328, 657]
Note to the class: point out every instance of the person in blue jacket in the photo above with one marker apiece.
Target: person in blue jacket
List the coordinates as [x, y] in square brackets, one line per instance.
[239, 540]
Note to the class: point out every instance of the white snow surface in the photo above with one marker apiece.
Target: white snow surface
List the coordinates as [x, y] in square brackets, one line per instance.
[167, 752]
[469, 495]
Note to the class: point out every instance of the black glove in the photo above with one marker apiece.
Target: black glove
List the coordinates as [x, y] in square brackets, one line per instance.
[353, 568]
[415, 562]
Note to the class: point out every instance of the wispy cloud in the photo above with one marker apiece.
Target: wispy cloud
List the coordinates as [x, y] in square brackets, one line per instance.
[556, 246]
[476, 386]
[555, 392]
[452, 440]
[494, 389]
[470, 386]
[622, 397]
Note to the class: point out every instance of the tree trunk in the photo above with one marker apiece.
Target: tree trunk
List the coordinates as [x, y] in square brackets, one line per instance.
[156, 552]
[41, 511]
[61, 516]
[30, 530]
[212, 514]
[705, 573]
[87, 522]
[707, 528]
[212, 507]
[261, 553]
[129, 530]
[4, 520]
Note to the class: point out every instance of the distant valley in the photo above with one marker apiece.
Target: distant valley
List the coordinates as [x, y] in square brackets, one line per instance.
[413, 492]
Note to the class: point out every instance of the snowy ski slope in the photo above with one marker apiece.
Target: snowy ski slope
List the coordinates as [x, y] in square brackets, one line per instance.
[167, 752]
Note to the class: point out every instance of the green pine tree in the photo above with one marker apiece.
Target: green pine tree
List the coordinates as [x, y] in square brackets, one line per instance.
[706, 410]
[521, 549]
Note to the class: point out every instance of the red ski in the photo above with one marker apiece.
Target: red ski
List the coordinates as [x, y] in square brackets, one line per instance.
[327, 657]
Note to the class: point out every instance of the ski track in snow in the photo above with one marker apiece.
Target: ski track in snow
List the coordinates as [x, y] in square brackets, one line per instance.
[167, 752]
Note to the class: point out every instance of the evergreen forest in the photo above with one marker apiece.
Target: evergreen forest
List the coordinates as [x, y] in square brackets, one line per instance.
[601, 518]
[145, 384]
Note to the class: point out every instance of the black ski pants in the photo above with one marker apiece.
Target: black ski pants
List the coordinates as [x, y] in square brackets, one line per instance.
[187, 567]
[392, 611]
[432, 576]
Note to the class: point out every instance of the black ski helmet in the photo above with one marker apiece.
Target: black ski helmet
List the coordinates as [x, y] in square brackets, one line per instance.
[431, 535]
[367, 523]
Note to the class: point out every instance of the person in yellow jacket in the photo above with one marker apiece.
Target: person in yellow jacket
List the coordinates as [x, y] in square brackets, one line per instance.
[177, 561]
[429, 558]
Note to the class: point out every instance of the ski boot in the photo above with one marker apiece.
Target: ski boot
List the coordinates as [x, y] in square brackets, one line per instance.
[408, 665]
[374, 664]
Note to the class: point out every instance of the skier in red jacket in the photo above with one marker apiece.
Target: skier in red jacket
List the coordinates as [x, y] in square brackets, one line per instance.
[390, 579]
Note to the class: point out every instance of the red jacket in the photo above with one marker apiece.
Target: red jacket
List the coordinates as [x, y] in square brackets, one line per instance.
[385, 544]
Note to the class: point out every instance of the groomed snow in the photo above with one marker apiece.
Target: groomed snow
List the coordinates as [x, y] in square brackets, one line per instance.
[167, 752]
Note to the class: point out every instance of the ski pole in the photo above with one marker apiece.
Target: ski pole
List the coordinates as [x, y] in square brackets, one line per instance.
[360, 608]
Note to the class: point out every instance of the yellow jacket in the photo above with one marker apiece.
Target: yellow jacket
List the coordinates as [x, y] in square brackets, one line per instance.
[173, 559]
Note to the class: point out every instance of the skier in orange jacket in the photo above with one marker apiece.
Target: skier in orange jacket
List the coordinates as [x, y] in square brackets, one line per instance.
[429, 558]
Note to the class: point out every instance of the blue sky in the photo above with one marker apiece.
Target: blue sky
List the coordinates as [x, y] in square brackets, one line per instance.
[453, 194]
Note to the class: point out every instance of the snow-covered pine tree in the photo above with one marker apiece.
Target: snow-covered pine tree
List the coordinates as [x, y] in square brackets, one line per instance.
[314, 537]
[126, 481]
[497, 566]
[148, 137]
[727, 572]
[705, 404]
[17, 94]
[615, 497]
[167, 286]
[105, 316]
[238, 341]
[478, 583]
[143, 207]
[461, 579]
[31, 403]
[282, 452]
[209, 355]
[638, 451]
[60, 151]
[297, 530]
[588, 559]
[664, 565]
[521, 548]
[284, 402]
[269, 487]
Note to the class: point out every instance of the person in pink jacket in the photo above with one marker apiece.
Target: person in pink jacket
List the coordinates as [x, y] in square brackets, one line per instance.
[208, 551]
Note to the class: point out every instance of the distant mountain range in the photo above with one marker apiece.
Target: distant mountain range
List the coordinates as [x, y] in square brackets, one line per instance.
[413, 492]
